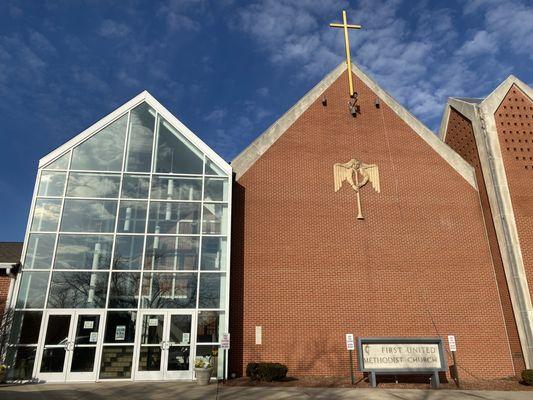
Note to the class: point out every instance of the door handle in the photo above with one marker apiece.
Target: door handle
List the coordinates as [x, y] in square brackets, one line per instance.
[69, 346]
[165, 345]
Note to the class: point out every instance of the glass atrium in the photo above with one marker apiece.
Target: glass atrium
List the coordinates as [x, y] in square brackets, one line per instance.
[126, 256]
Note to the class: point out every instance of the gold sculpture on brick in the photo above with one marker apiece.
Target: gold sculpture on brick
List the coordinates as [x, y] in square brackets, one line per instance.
[350, 172]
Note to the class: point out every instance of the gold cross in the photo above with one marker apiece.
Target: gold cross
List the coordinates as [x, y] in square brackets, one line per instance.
[345, 26]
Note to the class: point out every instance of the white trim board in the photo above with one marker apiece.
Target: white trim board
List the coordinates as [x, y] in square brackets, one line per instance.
[259, 146]
[167, 115]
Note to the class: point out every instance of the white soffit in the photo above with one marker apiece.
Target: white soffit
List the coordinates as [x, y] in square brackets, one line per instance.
[167, 115]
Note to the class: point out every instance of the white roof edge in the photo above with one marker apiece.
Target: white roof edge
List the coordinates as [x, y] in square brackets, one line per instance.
[147, 97]
[494, 99]
[246, 158]
[260, 145]
[464, 107]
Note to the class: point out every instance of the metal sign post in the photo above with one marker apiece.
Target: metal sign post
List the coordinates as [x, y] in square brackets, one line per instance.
[350, 346]
[224, 346]
[454, 371]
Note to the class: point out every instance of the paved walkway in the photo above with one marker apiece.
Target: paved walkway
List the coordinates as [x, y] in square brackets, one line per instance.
[191, 391]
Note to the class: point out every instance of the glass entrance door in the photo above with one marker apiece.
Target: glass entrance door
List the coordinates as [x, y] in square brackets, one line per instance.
[165, 350]
[70, 346]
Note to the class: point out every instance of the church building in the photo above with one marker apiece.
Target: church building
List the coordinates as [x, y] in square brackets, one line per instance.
[144, 247]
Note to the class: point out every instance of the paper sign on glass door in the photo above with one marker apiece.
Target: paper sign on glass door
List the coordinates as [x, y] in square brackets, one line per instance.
[120, 332]
[185, 338]
[93, 338]
[88, 324]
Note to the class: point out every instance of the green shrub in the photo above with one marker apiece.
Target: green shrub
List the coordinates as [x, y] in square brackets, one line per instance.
[266, 371]
[527, 376]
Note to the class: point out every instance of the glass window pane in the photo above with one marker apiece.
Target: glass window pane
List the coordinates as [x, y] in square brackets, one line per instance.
[212, 290]
[182, 218]
[25, 327]
[82, 184]
[83, 252]
[124, 290]
[172, 188]
[46, 215]
[103, 151]
[21, 359]
[128, 252]
[89, 216]
[39, 251]
[215, 220]
[83, 359]
[214, 251]
[140, 141]
[132, 217]
[120, 327]
[59, 163]
[175, 154]
[51, 183]
[32, 290]
[169, 290]
[116, 362]
[212, 169]
[87, 324]
[135, 186]
[152, 329]
[210, 326]
[216, 189]
[78, 290]
[171, 253]
[149, 358]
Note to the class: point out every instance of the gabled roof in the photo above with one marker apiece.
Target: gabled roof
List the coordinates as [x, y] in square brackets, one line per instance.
[259, 146]
[167, 115]
[10, 252]
[467, 106]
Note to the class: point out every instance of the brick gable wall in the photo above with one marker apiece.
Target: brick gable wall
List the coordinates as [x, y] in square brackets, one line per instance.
[307, 272]
[460, 137]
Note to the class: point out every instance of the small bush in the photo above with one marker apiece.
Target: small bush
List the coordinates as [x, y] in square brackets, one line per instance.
[527, 376]
[266, 371]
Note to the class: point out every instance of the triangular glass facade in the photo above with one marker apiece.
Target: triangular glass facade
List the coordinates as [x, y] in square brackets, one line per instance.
[129, 235]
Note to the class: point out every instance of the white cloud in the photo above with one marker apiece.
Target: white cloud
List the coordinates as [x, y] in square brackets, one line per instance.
[112, 29]
[217, 115]
[482, 43]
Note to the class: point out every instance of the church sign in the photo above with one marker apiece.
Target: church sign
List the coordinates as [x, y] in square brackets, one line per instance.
[401, 355]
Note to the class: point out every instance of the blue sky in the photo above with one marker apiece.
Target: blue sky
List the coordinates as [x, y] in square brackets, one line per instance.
[228, 69]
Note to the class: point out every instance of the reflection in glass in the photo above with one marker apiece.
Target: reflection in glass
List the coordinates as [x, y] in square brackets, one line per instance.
[83, 252]
[152, 329]
[150, 358]
[83, 359]
[103, 151]
[89, 216]
[135, 186]
[132, 217]
[180, 329]
[51, 183]
[39, 251]
[78, 290]
[82, 184]
[53, 359]
[182, 218]
[175, 154]
[215, 220]
[128, 252]
[57, 329]
[211, 352]
[120, 327]
[59, 163]
[210, 325]
[178, 358]
[216, 189]
[32, 290]
[124, 290]
[116, 362]
[21, 359]
[212, 169]
[169, 290]
[46, 215]
[212, 290]
[171, 253]
[214, 251]
[25, 327]
[139, 152]
[173, 188]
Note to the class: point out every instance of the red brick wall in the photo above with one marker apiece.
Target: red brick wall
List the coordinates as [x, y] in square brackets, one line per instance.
[514, 121]
[460, 137]
[4, 291]
[308, 272]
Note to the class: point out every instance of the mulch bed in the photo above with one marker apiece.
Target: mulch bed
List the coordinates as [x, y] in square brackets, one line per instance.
[509, 384]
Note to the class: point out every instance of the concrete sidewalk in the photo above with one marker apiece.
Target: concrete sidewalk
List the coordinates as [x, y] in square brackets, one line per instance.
[191, 391]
